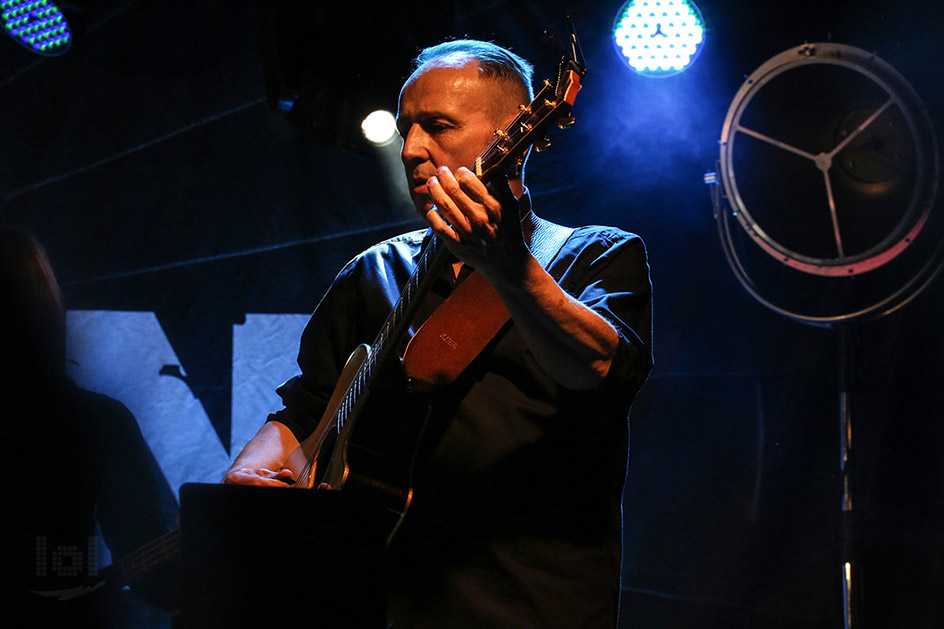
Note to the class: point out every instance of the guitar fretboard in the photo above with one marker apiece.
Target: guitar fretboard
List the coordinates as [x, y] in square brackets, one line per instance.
[393, 329]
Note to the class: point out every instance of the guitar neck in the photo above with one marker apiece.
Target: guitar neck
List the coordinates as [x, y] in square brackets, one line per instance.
[394, 328]
[132, 566]
[430, 263]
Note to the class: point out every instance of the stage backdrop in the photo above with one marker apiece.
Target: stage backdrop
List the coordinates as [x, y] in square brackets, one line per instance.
[194, 227]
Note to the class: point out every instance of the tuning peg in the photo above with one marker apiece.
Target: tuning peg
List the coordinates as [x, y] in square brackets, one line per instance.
[566, 121]
[542, 145]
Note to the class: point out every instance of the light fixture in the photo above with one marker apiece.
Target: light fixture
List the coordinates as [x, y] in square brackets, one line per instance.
[36, 24]
[829, 164]
[658, 37]
[379, 127]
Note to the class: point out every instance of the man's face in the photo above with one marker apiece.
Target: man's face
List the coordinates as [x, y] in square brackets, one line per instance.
[444, 120]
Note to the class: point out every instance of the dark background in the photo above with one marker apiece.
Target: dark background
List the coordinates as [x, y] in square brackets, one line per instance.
[151, 164]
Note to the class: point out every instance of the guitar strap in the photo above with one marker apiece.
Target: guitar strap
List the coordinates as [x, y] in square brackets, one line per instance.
[470, 317]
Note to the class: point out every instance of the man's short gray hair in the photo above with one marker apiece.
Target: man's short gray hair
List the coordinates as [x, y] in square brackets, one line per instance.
[494, 61]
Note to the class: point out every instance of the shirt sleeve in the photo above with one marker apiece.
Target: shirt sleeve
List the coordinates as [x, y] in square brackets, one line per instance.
[350, 314]
[607, 270]
[327, 341]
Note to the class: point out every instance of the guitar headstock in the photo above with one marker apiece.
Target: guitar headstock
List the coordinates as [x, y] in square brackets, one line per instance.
[552, 104]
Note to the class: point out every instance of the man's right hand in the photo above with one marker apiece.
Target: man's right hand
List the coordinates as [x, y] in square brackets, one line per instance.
[258, 476]
[262, 460]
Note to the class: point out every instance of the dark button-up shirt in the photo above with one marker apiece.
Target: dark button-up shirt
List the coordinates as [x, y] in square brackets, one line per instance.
[516, 515]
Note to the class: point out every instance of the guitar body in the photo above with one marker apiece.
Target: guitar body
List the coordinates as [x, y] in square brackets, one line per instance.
[345, 454]
[311, 461]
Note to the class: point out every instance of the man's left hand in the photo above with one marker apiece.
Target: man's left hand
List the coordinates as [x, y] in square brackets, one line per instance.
[481, 226]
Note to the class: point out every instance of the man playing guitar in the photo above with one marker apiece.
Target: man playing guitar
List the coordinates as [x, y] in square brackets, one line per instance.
[515, 489]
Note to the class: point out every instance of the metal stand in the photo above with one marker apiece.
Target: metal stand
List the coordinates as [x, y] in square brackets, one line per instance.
[850, 611]
[902, 121]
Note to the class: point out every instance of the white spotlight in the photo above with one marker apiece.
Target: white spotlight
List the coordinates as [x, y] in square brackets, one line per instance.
[380, 127]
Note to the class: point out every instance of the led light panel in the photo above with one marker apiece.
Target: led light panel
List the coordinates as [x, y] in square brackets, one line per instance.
[659, 37]
[37, 24]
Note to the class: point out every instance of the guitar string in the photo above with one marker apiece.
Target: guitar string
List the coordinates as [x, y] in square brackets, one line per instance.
[378, 355]
[154, 553]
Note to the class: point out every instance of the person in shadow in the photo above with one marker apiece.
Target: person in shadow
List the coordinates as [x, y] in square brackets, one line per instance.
[71, 459]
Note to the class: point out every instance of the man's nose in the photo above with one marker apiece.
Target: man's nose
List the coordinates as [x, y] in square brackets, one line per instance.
[414, 146]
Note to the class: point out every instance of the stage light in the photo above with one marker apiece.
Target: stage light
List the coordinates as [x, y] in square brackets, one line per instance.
[36, 24]
[380, 127]
[658, 37]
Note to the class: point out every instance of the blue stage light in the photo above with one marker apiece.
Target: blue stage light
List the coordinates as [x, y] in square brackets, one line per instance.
[37, 24]
[659, 37]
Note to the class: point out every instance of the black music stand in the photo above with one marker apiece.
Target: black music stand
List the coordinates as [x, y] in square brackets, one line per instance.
[255, 556]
